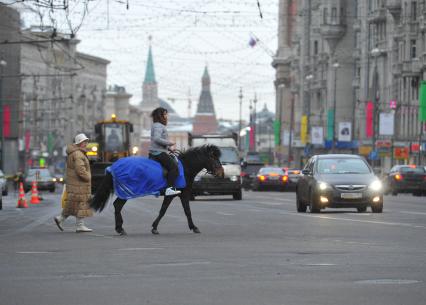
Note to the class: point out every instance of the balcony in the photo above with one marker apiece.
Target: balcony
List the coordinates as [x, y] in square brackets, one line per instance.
[411, 67]
[423, 60]
[377, 16]
[394, 7]
[332, 31]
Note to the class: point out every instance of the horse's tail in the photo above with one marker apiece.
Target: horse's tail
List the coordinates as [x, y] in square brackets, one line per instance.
[102, 194]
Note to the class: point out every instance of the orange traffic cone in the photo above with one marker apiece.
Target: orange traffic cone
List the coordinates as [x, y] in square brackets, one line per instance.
[34, 194]
[22, 202]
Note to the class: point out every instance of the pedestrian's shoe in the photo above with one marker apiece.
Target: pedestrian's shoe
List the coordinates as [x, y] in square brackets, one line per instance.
[59, 220]
[171, 191]
[80, 227]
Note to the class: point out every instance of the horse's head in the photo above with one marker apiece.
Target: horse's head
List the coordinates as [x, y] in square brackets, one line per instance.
[213, 165]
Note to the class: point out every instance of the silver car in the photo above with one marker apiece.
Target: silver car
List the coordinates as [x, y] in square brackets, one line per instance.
[3, 183]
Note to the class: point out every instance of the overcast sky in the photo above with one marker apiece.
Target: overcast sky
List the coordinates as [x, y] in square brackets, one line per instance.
[186, 35]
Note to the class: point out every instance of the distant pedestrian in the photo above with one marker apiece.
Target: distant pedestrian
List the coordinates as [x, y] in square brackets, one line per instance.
[17, 179]
[78, 185]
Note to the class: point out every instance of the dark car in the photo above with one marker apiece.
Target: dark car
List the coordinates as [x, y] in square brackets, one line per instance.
[406, 179]
[338, 181]
[249, 172]
[270, 178]
[45, 180]
[293, 177]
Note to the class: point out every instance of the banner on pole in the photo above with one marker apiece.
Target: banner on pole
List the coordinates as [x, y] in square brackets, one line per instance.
[345, 131]
[317, 135]
[386, 124]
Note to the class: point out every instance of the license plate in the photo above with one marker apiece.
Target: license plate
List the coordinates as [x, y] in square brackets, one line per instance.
[273, 178]
[351, 195]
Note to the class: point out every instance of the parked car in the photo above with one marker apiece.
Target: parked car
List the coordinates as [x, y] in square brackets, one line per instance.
[338, 181]
[293, 177]
[45, 180]
[270, 178]
[406, 179]
[3, 184]
[249, 172]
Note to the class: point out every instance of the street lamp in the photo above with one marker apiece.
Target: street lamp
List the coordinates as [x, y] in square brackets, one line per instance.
[335, 66]
[375, 53]
[308, 78]
[3, 64]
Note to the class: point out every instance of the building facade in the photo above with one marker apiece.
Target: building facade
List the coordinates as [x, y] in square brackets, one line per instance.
[347, 79]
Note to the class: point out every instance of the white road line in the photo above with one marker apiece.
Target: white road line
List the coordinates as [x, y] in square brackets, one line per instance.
[223, 213]
[33, 252]
[412, 213]
[183, 264]
[139, 249]
[269, 203]
[401, 224]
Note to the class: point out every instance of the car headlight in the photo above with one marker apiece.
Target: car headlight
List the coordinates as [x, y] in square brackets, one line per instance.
[234, 178]
[54, 179]
[197, 178]
[376, 185]
[322, 186]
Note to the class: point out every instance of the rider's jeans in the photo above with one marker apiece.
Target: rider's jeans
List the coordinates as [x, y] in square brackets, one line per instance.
[168, 163]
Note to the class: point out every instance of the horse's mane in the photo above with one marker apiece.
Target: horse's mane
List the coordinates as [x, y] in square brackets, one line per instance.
[200, 152]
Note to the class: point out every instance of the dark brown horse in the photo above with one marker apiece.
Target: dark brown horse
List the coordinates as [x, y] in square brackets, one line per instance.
[193, 160]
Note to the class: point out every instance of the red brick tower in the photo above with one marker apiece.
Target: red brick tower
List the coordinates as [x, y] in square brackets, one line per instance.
[205, 119]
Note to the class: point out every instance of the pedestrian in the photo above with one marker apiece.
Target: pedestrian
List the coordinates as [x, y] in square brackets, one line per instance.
[17, 179]
[160, 147]
[78, 185]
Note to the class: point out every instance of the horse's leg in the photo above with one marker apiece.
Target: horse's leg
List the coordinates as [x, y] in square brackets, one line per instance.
[184, 198]
[118, 205]
[166, 202]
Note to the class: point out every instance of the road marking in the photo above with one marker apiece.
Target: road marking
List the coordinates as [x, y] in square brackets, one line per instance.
[270, 203]
[319, 264]
[388, 281]
[412, 213]
[226, 214]
[138, 249]
[401, 224]
[33, 252]
[178, 264]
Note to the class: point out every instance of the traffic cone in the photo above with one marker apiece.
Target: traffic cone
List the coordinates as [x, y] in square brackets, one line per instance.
[22, 202]
[34, 194]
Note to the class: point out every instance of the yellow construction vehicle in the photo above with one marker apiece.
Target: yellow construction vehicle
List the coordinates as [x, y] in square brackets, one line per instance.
[112, 142]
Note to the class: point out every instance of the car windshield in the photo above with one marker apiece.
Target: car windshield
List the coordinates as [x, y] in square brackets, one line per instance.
[229, 155]
[43, 173]
[252, 168]
[342, 166]
[408, 169]
[271, 170]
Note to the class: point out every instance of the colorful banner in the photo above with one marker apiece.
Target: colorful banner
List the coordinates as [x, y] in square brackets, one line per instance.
[422, 101]
[345, 131]
[277, 132]
[6, 121]
[303, 129]
[369, 119]
[330, 125]
[252, 131]
[401, 153]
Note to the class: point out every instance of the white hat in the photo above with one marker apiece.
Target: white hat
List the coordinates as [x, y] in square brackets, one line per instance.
[80, 138]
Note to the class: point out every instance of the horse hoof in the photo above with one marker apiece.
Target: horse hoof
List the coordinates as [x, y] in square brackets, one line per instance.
[196, 230]
[154, 231]
[121, 232]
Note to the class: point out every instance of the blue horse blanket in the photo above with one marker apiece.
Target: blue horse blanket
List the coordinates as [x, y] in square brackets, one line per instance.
[139, 176]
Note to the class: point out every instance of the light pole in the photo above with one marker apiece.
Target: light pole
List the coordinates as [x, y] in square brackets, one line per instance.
[308, 78]
[3, 64]
[335, 66]
[240, 96]
[375, 53]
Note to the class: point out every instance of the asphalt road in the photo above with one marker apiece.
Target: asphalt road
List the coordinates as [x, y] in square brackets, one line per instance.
[251, 252]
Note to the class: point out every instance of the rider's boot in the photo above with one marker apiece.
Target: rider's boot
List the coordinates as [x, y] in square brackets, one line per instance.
[171, 191]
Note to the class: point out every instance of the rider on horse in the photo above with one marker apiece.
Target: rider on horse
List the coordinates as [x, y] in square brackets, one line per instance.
[160, 147]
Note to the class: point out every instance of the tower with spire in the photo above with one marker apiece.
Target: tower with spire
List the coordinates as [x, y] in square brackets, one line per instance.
[205, 119]
[150, 99]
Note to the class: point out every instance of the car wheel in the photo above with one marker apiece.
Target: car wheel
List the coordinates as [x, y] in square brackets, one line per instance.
[238, 195]
[394, 193]
[313, 205]
[361, 209]
[377, 208]
[4, 192]
[300, 205]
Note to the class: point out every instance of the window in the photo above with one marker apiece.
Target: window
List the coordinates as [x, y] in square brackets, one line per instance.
[316, 47]
[325, 15]
[413, 48]
[333, 15]
[413, 14]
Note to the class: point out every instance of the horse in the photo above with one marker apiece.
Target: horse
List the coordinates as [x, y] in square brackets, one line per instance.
[193, 161]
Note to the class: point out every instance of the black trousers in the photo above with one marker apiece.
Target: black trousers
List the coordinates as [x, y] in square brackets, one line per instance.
[168, 163]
